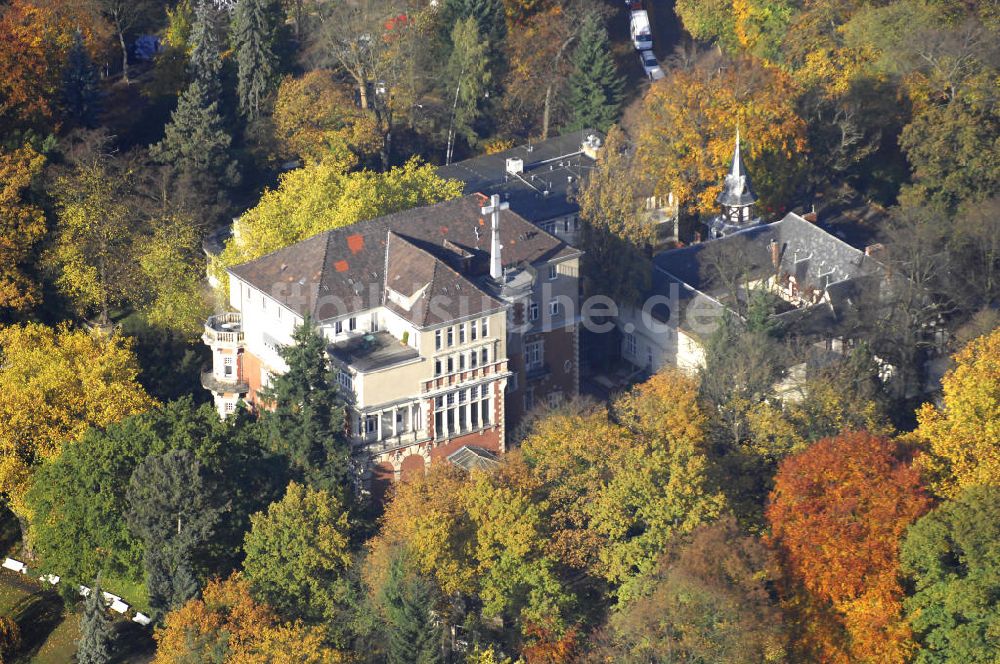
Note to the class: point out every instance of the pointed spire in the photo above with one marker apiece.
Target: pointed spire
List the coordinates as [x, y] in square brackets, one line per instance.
[736, 189]
[737, 167]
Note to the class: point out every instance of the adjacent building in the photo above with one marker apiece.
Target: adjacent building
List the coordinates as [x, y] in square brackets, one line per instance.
[446, 324]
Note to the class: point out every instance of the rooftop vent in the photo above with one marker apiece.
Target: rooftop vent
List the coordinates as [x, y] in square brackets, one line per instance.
[515, 165]
[591, 145]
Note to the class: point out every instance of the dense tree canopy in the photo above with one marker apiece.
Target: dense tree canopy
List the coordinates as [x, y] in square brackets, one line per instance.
[54, 385]
[22, 225]
[837, 514]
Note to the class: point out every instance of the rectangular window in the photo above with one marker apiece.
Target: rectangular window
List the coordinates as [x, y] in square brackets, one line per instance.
[485, 328]
[484, 409]
[438, 424]
[463, 396]
[553, 272]
[474, 330]
[401, 423]
[437, 339]
[437, 367]
[338, 327]
[630, 346]
[230, 407]
[371, 424]
[484, 356]
[554, 399]
[227, 366]
[387, 421]
[553, 308]
[461, 362]
[415, 414]
[438, 401]
[474, 415]
[533, 355]
[352, 324]
[345, 381]
[374, 322]
[529, 399]
[533, 311]
[463, 423]
[450, 419]
[473, 359]
[451, 364]
[451, 337]
[461, 333]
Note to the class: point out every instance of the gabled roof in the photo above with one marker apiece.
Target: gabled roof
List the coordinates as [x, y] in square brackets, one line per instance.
[425, 281]
[344, 270]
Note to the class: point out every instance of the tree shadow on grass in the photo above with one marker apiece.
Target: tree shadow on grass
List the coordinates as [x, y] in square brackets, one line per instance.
[37, 615]
[133, 643]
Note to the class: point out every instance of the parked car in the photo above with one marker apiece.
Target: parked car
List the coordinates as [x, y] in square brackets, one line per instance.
[650, 65]
[642, 38]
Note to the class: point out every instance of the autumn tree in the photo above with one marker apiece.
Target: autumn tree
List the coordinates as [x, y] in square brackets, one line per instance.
[616, 238]
[837, 513]
[255, 35]
[22, 225]
[173, 267]
[686, 133]
[952, 555]
[93, 250]
[595, 86]
[36, 39]
[707, 600]
[227, 624]
[321, 197]
[297, 555]
[960, 437]
[540, 66]
[315, 118]
[54, 385]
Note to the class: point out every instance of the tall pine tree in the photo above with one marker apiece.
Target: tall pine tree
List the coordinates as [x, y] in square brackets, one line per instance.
[307, 421]
[205, 64]
[255, 32]
[595, 86]
[94, 646]
[81, 95]
[196, 146]
[174, 513]
[407, 599]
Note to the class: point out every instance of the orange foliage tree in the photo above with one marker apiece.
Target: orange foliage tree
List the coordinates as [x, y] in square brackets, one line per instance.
[35, 38]
[227, 622]
[837, 513]
[690, 120]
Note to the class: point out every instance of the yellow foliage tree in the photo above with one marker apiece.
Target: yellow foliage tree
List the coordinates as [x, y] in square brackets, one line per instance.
[54, 385]
[322, 196]
[689, 122]
[962, 439]
[22, 225]
[316, 119]
[229, 623]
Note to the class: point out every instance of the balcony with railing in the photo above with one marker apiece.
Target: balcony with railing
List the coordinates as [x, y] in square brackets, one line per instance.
[224, 329]
[218, 385]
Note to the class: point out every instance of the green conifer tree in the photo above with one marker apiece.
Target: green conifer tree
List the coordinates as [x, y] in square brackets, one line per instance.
[205, 64]
[255, 39]
[306, 424]
[197, 147]
[412, 636]
[94, 646]
[81, 95]
[595, 86]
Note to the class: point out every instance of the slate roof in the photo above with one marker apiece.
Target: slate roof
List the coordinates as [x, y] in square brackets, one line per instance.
[815, 257]
[344, 270]
[555, 165]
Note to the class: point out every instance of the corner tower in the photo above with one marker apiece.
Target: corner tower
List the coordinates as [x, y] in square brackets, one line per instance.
[736, 198]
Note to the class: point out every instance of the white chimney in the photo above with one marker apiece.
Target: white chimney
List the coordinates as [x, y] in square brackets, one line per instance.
[515, 166]
[493, 209]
